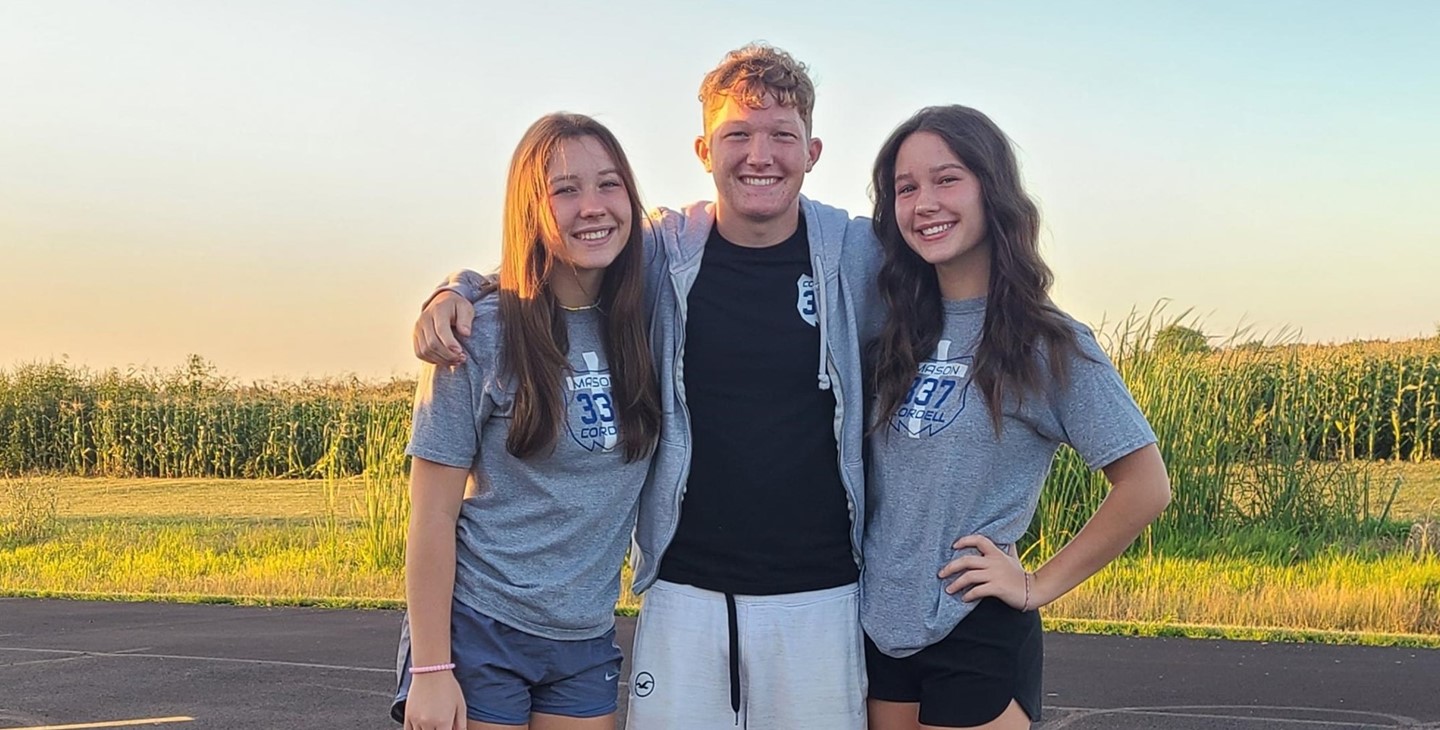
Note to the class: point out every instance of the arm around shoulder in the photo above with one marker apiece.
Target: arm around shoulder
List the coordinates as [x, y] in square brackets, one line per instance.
[447, 316]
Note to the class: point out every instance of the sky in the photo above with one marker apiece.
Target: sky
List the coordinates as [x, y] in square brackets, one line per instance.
[277, 185]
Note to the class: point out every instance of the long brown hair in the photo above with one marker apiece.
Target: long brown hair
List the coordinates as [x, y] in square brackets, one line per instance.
[534, 343]
[1020, 319]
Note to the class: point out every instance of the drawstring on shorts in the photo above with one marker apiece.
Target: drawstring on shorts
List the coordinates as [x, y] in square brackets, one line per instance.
[734, 656]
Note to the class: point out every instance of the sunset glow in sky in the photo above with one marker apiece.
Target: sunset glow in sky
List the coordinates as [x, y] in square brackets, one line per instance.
[276, 185]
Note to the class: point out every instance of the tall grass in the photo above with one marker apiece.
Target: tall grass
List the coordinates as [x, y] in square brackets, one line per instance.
[29, 511]
[386, 508]
[1277, 436]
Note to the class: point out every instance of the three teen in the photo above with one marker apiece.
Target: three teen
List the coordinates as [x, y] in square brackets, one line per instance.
[752, 520]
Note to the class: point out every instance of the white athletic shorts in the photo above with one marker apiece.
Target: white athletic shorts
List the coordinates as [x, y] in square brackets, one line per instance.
[799, 661]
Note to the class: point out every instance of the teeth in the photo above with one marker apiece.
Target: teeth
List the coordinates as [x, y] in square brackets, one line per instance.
[594, 235]
[759, 181]
[932, 230]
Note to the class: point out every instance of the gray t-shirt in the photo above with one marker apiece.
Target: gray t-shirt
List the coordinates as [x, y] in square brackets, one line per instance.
[539, 541]
[937, 473]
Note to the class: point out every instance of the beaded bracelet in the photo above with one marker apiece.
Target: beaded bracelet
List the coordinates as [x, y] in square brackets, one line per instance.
[1028, 577]
[433, 668]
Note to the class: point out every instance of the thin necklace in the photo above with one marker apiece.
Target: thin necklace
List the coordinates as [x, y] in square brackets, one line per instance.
[592, 305]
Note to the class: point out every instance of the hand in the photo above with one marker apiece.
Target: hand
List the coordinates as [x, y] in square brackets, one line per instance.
[994, 573]
[445, 317]
[435, 702]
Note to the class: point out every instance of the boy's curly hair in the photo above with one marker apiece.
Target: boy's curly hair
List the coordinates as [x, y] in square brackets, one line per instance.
[747, 74]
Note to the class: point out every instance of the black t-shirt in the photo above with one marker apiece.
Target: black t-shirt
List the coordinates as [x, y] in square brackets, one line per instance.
[764, 510]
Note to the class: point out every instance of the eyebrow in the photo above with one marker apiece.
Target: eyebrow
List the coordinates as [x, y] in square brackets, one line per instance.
[563, 178]
[781, 124]
[938, 168]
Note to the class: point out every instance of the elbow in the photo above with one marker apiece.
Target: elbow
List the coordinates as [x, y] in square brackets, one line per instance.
[1161, 494]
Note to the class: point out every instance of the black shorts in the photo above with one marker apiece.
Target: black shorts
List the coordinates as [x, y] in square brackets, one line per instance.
[968, 678]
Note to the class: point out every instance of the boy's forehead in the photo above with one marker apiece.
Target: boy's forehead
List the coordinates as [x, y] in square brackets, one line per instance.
[734, 109]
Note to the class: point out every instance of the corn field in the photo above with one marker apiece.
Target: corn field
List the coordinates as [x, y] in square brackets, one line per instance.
[58, 419]
[1253, 435]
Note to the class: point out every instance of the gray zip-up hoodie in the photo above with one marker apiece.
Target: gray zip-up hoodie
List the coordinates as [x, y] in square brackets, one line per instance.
[844, 257]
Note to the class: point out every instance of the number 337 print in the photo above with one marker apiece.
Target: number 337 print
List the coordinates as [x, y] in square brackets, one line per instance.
[936, 395]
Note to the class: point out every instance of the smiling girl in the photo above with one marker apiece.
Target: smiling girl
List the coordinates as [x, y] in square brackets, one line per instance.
[978, 378]
[512, 582]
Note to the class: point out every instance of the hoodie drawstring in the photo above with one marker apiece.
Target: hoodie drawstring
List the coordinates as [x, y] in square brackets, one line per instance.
[824, 372]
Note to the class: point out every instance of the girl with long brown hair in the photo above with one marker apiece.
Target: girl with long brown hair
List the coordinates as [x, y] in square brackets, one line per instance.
[511, 582]
[977, 378]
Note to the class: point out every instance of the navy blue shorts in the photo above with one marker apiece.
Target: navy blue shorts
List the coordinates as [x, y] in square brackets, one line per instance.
[506, 674]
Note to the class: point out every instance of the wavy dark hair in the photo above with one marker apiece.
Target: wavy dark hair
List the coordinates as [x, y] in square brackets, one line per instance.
[1020, 319]
[534, 342]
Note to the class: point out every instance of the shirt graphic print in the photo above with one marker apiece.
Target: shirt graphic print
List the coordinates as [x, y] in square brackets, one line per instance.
[936, 395]
[805, 300]
[591, 412]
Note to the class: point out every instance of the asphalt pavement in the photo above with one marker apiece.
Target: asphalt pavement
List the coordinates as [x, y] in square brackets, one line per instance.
[79, 664]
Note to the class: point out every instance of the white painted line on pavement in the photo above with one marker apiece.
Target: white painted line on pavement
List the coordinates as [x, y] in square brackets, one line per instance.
[1269, 720]
[1241, 713]
[232, 660]
[113, 723]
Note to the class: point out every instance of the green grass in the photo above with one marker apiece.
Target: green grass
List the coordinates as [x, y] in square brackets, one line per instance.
[273, 542]
[1419, 496]
[274, 558]
[1239, 633]
[1392, 594]
[302, 499]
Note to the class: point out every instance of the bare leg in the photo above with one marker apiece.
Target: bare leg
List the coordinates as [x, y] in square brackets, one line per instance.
[477, 725]
[1013, 718]
[893, 715]
[541, 721]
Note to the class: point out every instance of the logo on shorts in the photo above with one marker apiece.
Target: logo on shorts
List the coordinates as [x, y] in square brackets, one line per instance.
[592, 414]
[643, 684]
[936, 396]
[805, 300]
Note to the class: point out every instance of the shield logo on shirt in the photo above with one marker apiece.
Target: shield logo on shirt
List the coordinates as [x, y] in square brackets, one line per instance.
[591, 412]
[936, 395]
[805, 301]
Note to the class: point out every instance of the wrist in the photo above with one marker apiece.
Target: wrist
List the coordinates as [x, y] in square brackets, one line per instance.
[420, 670]
[1042, 591]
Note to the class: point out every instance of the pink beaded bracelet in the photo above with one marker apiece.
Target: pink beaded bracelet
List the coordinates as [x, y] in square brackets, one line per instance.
[433, 668]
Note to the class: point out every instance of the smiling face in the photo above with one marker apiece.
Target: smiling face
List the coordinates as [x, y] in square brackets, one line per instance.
[758, 157]
[589, 202]
[940, 208]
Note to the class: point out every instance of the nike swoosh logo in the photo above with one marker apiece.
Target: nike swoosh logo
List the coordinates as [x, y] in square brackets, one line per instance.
[609, 676]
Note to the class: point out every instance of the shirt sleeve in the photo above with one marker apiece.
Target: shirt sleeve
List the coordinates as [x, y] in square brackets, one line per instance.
[452, 404]
[1094, 410]
[466, 283]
